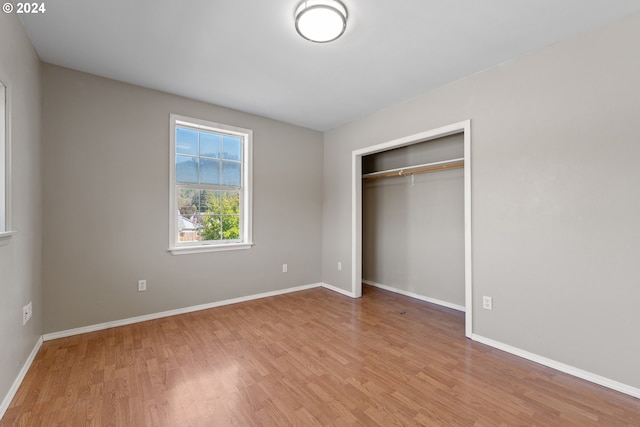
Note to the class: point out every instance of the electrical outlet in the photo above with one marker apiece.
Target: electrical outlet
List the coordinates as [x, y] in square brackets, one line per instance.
[487, 303]
[284, 268]
[27, 312]
[339, 266]
[142, 285]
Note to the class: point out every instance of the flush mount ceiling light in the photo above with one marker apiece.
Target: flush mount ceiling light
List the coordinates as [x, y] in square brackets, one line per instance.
[321, 21]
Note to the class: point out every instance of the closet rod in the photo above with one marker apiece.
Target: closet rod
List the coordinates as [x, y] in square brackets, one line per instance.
[410, 170]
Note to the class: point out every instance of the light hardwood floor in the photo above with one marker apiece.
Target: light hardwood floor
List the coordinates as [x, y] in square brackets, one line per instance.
[307, 358]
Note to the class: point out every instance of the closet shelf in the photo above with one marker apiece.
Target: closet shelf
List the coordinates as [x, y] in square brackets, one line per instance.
[410, 170]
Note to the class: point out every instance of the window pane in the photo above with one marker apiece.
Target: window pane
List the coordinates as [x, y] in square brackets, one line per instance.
[209, 171]
[211, 227]
[231, 148]
[186, 141]
[188, 202]
[186, 169]
[231, 173]
[231, 227]
[230, 202]
[187, 231]
[210, 202]
[210, 144]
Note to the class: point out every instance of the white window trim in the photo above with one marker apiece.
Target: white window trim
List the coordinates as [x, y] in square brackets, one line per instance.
[247, 205]
[5, 165]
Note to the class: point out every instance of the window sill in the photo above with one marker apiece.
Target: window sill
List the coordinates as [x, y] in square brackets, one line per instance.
[5, 236]
[184, 250]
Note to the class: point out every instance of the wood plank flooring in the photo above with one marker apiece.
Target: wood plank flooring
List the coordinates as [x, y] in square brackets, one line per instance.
[308, 358]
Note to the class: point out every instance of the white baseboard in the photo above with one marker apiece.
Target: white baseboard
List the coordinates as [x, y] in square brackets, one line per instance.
[338, 290]
[153, 316]
[16, 384]
[416, 296]
[567, 369]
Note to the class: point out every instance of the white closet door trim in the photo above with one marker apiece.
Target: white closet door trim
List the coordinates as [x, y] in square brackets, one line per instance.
[463, 127]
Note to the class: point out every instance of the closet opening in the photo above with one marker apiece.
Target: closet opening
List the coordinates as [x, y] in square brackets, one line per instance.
[411, 214]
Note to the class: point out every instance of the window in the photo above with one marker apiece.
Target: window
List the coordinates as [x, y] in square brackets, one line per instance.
[210, 208]
[5, 223]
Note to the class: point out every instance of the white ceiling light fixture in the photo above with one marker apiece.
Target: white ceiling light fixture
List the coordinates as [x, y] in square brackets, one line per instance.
[321, 21]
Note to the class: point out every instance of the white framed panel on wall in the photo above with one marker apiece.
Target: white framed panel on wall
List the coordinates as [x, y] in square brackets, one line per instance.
[5, 166]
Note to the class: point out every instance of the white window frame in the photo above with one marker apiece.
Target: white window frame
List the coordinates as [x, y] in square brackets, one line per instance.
[5, 168]
[246, 209]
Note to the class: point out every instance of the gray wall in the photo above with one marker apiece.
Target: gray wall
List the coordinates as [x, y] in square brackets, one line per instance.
[106, 192]
[554, 192]
[413, 230]
[20, 279]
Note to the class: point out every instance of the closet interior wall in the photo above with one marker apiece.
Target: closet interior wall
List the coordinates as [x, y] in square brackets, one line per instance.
[413, 227]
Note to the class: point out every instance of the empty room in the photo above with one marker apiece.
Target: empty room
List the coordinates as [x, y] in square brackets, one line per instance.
[323, 212]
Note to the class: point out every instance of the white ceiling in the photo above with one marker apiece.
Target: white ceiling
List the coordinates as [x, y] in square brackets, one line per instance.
[246, 54]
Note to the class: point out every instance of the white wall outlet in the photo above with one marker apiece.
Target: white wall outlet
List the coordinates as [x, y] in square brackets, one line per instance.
[142, 285]
[27, 312]
[284, 268]
[487, 303]
[339, 266]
